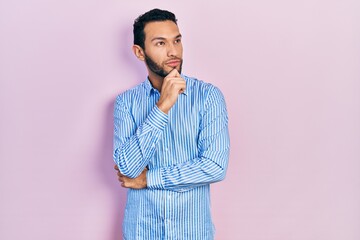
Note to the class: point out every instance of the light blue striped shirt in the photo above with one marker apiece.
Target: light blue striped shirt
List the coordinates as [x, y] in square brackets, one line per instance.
[184, 150]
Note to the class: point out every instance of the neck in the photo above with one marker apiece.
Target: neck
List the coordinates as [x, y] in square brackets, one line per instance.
[156, 81]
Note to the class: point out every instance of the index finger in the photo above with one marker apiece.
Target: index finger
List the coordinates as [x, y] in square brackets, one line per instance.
[173, 73]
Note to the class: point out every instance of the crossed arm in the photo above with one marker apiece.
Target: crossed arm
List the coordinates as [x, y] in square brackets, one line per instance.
[134, 148]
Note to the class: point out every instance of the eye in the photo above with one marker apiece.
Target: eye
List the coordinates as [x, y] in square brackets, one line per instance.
[160, 44]
[178, 40]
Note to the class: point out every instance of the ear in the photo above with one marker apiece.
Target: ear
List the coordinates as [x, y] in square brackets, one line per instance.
[139, 52]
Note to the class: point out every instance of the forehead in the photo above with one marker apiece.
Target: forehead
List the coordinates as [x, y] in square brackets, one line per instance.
[164, 29]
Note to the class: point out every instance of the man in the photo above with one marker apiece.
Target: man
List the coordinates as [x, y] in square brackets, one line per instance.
[170, 140]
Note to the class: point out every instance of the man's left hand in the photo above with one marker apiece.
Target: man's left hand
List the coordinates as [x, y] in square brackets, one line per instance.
[135, 183]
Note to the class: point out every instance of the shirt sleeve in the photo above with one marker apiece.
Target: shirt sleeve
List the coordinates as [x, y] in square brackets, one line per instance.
[213, 144]
[134, 147]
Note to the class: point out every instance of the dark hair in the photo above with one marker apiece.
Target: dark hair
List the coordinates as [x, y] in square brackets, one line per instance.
[153, 15]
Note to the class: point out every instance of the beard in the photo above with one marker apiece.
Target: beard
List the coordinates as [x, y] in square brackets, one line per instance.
[157, 69]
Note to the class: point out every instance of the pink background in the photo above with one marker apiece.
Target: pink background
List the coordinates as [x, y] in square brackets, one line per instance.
[290, 74]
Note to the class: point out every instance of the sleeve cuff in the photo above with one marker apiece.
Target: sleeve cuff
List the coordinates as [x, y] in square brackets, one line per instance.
[153, 179]
[157, 118]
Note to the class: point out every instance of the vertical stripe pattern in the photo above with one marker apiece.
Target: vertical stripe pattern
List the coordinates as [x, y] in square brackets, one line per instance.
[184, 150]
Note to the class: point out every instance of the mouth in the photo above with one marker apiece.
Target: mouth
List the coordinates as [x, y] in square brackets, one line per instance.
[173, 63]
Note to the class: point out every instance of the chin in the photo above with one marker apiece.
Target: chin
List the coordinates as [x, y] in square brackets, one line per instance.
[178, 68]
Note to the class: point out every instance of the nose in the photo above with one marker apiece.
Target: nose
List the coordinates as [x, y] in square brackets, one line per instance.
[172, 50]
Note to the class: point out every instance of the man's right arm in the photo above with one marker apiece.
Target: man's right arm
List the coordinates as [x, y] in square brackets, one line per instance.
[135, 145]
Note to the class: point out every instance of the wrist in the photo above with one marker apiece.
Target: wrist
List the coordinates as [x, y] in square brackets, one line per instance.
[163, 108]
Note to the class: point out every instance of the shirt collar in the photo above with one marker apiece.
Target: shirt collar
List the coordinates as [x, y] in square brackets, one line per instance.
[149, 88]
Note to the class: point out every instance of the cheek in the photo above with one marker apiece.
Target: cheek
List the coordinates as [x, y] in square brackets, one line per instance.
[180, 50]
[158, 56]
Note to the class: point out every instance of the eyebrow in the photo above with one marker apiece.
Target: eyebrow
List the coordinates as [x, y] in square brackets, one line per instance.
[162, 38]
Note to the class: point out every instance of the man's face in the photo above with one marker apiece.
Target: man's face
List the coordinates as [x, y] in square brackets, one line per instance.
[163, 47]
